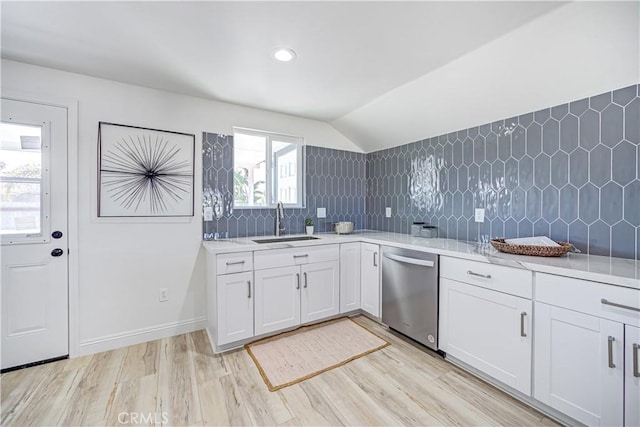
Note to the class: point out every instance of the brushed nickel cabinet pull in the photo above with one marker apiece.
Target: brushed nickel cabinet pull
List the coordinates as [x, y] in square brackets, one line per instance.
[235, 262]
[301, 256]
[610, 350]
[522, 332]
[249, 287]
[305, 279]
[298, 277]
[635, 361]
[375, 259]
[484, 276]
[615, 304]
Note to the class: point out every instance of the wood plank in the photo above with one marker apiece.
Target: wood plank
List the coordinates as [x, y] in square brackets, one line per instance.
[140, 360]
[49, 400]
[386, 395]
[201, 343]
[353, 403]
[19, 387]
[213, 401]
[237, 410]
[177, 389]
[448, 408]
[95, 391]
[135, 402]
[309, 405]
[265, 408]
[492, 402]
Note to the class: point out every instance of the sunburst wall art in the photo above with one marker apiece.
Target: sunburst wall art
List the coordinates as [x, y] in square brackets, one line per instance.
[144, 172]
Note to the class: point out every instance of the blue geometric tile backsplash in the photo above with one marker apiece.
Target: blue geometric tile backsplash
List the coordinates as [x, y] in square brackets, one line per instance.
[569, 172]
[334, 179]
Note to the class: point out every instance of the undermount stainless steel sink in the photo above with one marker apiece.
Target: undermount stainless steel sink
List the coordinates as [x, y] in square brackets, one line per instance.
[286, 239]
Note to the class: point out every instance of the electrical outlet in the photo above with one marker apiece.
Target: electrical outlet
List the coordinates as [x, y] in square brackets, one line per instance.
[321, 213]
[387, 212]
[164, 295]
[479, 215]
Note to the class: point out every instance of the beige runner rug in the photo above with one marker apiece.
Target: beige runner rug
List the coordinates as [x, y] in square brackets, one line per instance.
[295, 356]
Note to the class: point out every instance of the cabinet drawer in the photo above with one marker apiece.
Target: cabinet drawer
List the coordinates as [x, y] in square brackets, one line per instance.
[509, 280]
[586, 297]
[234, 263]
[286, 257]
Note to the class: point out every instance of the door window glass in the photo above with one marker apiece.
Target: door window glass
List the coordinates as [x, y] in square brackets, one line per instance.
[20, 180]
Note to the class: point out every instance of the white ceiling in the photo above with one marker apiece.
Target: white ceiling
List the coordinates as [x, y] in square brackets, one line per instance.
[350, 54]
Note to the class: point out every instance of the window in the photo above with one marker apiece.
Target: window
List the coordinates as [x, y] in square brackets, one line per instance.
[21, 181]
[267, 169]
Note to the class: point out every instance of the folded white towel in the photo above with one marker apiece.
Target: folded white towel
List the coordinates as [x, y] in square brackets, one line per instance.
[533, 241]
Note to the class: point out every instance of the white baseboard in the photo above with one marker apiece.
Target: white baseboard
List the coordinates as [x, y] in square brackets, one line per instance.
[138, 336]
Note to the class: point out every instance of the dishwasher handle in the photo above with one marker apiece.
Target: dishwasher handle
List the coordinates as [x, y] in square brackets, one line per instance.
[407, 260]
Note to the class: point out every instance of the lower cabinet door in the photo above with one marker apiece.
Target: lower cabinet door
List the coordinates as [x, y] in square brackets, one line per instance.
[488, 330]
[234, 300]
[277, 303]
[320, 290]
[632, 376]
[579, 365]
[349, 277]
[370, 278]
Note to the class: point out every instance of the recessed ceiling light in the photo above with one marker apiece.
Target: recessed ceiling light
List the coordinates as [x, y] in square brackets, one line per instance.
[284, 54]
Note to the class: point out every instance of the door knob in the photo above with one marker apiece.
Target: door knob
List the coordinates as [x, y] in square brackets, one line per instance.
[57, 252]
[56, 234]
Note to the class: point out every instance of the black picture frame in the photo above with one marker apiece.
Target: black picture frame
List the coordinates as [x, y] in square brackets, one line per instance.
[144, 172]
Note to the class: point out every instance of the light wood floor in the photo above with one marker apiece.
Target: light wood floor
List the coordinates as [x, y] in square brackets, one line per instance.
[180, 377]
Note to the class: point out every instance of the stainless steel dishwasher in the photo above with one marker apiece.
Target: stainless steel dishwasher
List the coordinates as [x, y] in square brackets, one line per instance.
[410, 294]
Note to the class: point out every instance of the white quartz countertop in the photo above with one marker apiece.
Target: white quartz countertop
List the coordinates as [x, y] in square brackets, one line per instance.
[614, 271]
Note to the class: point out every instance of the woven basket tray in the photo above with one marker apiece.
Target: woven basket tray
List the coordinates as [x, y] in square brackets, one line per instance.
[503, 246]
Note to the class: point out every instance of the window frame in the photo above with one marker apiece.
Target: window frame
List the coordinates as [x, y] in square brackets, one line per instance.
[271, 173]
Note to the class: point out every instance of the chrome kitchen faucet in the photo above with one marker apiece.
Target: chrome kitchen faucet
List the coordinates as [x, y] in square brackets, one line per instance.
[279, 218]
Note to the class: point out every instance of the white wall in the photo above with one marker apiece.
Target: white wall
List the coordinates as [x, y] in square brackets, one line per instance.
[578, 50]
[122, 265]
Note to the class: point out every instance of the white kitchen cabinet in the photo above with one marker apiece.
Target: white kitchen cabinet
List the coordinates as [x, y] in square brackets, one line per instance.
[579, 365]
[349, 277]
[235, 307]
[632, 376]
[370, 278]
[320, 291]
[304, 288]
[584, 349]
[277, 302]
[488, 330]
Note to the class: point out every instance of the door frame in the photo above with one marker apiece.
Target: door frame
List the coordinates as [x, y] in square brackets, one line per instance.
[71, 105]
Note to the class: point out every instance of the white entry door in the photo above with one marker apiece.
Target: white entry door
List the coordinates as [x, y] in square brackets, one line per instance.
[33, 232]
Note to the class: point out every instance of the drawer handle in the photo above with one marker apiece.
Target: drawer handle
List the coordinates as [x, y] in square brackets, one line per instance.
[298, 278]
[635, 361]
[615, 304]
[301, 256]
[610, 351]
[249, 288]
[522, 332]
[235, 263]
[305, 279]
[484, 276]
